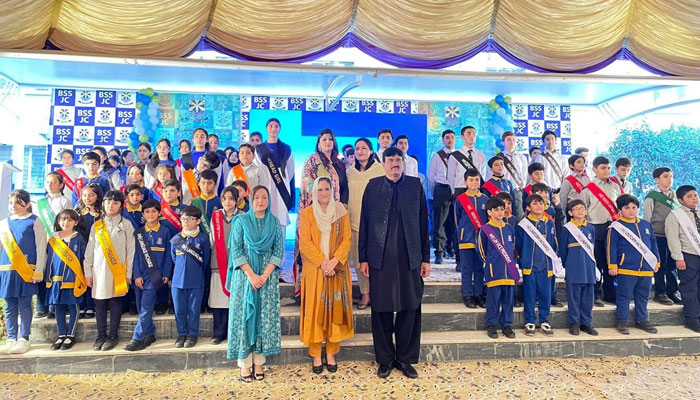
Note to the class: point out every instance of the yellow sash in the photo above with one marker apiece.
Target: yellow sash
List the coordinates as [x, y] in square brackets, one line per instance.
[67, 256]
[17, 258]
[112, 259]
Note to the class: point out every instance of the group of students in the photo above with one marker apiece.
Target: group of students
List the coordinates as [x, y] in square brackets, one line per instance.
[529, 222]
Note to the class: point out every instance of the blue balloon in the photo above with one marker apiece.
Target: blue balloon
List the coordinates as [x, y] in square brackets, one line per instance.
[144, 117]
[499, 142]
[501, 112]
[133, 136]
[140, 130]
[499, 99]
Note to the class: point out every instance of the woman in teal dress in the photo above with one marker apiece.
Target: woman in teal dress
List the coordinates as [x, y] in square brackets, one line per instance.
[253, 281]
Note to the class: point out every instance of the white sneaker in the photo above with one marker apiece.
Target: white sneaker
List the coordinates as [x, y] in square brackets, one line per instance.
[546, 329]
[21, 347]
[7, 347]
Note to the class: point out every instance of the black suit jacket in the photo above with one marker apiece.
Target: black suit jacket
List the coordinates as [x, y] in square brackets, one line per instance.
[375, 217]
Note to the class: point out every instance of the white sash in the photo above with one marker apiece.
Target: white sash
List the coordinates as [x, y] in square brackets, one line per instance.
[543, 244]
[586, 244]
[689, 227]
[636, 242]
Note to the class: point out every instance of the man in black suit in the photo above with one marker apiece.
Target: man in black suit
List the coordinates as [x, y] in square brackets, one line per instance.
[394, 251]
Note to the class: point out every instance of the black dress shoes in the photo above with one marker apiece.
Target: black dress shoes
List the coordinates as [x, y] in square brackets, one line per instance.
[384, 371]
[407, 369]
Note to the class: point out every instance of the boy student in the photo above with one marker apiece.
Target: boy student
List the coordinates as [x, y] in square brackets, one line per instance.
[133, 210]
[659, 203]
[153, 268]
[623, 168]
[600, 202]
[555, 164]
[536, 173]
[91, 165]
[534, 153]
[496, 243]
[577, 255]
[171, 207]
[515, 165]
[553, 211]
[508, 217]
[470, 208]
[190, 251]
[410, 164]
[384, 139]
[683, 237]
[209, 161]
[498, 182]
[574, 183]
[442, 224]
[247, 170]
[633, 256]
[536, 244]
[208, 201]
[464, 158]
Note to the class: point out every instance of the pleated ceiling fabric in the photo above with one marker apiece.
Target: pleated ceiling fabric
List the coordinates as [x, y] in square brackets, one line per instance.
[544, 35]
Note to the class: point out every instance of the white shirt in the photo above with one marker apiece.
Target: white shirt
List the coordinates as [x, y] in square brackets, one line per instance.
[57, 203]
[597, 214]
[277, 206]
[551, 178]
[410, 166]
[455, 170]
[74, 173]
[253, 173]
[520, 163]
[437, 170]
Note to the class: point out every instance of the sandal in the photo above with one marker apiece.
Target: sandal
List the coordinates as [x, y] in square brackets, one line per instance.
[57, 344]
[260, 376]
[363, 306]
[246, 378]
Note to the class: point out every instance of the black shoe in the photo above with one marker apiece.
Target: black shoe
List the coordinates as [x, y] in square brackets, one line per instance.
[693, 326]
[332, 367]
[557, 303]
[509, 332]
[180, 341]
[458, 268]
[517, 303]
[81, 315]
[89, 313]
[135, 345]
[110, 343]
[57, 344]
[623, 328]
[438, 259]
[190, 341]
[674, 298]
[161, 311]
[316, 369]
[589, 330]
[41, 314]
[68, 343]
[663, 299]
[51, 315]
[646, 327]
[450, 254]
[171, 310]
[133, 311]
[480, 301]
[149, 340]
[384, 371]
[216, 340]
[407, 369]
[599, 303]
[98, 343]
[574, 329]
[469, 302]
[492, 332]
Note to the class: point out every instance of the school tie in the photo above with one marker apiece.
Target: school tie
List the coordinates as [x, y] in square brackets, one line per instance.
[622, 182]
[697, 220]
[469, 157]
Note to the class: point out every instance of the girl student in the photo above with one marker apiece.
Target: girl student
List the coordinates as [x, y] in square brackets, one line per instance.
[89, 208]
[135, 176]
[22, 264]
[162, 156]
[109, 259]
[65, 281]
[164, 173]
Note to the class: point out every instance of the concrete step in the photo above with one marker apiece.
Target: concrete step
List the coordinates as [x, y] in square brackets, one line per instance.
[433, 292]
[436, 346]
[436, 317]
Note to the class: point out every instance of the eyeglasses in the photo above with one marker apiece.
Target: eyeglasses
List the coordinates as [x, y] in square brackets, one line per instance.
[187, 218]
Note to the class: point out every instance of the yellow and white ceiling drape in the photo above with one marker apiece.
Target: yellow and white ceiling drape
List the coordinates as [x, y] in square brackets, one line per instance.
[553, 35]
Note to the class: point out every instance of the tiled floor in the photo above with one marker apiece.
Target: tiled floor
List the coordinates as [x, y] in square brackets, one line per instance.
[604, 378]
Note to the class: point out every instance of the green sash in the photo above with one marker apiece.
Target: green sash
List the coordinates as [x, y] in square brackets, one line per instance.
[46, 215]
[197, 202]
[663, 199]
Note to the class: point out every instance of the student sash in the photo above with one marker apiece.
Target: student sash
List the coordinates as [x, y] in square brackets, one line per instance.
[555, 165]
[614, 179]
[470, 210]
[197, 202]
[239, 174]
[71, 260]
[14, 253]
[181, 244]
[604, 200]
[217, 222]
[275, 172]
[111, 258]
[79, 185]
[170, 215]
[492, 188]
[191, 181]
[510, 167]
[465, 162]
[443, 156]
[689, 227]
[147, 256]
[46, 215]
[528, 189]
[663, 199]
[501, 249]
[541, 242]
[585, 244]
[70, 183]
[575, 183]
[636, 242]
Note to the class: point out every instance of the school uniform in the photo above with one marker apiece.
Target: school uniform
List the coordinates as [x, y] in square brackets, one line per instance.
[134, 215]
[145, 193]
[555, 214]
[682, 249]
[580, 274]
[177, 208]
[253, 174]
[665, 281]
[153, 193]
[188, 279]
[443, 224]
[103, 181]
[207, 205]
[568, 193]
[470, 264]
[88, 218]
[56, 203]
[158, 240]
[537, 268]
[551, 173]
[501, 183]
[73, 173]
[60, 281]
[527, 190]
[218, 300]
[30, 236]
[633, 272]
[499, 281]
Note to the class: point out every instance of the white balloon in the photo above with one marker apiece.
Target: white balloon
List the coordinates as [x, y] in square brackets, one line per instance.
[138, 123]
[140, 130]
[153, 120]
[152, 112]
[153, 104]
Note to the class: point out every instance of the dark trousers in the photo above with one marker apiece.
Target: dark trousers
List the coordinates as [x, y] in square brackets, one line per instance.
[129, 299]
[537, 286]
[665, 280]
[499, 305]
[205, 289]
[187, 304]
[405, 325]
[580, 298]
[455, 235]
[472, 269]
[442, 199]
[114, 305]
[606, 289]
[632, 287]
[86, 301]
[41, 305]
[690, 288]
[450, 230]
[555, 295]
[163, 298]
[61, 311]
[220, 328]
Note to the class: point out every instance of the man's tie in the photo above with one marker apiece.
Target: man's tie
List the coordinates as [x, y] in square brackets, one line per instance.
[469, 157]
[697, 220]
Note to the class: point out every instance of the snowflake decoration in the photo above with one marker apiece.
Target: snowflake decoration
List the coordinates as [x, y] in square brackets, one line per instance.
[85, 96]
[125, 97]
[105, 115]
[384, 105]
[197, 106]
[452, 112]
[519, 111]
[314, 104]
[552, 111]
[63, 113]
